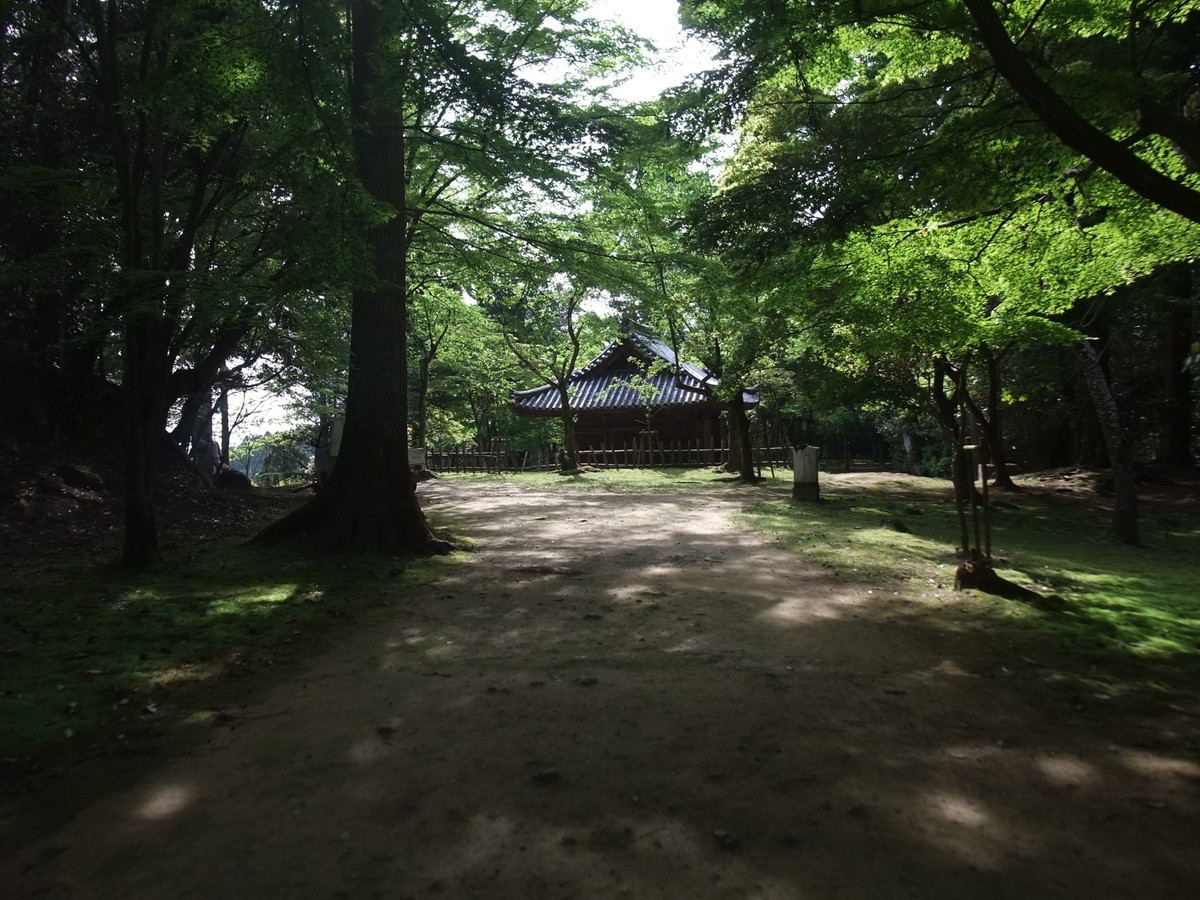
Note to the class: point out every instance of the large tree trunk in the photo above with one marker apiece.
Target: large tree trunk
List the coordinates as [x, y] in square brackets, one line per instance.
[369, 503]
[1124, 525]
[144, 383]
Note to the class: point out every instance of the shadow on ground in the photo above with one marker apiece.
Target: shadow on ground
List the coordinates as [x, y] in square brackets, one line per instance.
[625, 696]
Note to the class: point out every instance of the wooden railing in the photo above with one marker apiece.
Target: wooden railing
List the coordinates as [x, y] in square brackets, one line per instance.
[678, 454]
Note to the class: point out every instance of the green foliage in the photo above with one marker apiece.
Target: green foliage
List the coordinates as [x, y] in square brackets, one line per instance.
[892, 205]
[471, 385]
[892, 202]
[897, 116]
[276, 458]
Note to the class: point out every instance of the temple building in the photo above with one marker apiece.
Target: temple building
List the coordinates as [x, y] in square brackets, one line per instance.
[636, 393]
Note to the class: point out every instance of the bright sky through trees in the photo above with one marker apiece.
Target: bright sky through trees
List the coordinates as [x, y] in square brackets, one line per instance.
[679, 56]
[657, 21]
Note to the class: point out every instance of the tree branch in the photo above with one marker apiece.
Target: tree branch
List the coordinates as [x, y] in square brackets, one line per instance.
[1072, 128]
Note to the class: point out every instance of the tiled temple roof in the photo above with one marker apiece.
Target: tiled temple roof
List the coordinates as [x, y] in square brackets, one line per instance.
[597, 387]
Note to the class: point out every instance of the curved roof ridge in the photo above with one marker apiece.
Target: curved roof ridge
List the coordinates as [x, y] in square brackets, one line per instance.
[602, 357]
[529, 391]
[664, 351]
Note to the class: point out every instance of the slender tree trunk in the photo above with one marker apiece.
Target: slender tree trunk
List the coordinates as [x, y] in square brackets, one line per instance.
[185, 430]
[203, 436]
[993, 430]
[421, 421]
[912, 451]
[990, 434]
[878, 449]
[570, 460]
[223, 405]
[1175, 434]
[741, 449]
[992, 439]
[43, 230]
[946, 411]
[1124, 526]
[1090, 450]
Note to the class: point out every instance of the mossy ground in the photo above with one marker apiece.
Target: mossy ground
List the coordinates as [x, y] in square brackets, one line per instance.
[96, 657]
[1132, 611]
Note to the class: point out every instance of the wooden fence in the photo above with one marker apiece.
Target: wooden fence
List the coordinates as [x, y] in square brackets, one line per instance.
[470, 459]
[678, 454]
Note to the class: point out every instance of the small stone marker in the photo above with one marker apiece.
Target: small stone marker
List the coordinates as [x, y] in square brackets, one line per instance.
[804, 474]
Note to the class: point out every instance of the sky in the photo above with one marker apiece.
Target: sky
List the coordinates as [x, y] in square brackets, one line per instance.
[658, 21]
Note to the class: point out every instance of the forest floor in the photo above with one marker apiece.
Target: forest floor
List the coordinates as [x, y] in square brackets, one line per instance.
[631, 696]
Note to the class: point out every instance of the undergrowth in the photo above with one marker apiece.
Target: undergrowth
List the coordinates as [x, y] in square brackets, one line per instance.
[96, 659]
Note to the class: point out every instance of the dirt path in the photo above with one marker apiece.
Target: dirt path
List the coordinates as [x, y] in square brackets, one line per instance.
[692, 714]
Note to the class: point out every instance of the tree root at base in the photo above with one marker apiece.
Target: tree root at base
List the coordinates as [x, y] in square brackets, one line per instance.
[978, 574]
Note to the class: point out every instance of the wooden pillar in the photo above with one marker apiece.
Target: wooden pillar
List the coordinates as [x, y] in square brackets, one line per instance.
[804, 474]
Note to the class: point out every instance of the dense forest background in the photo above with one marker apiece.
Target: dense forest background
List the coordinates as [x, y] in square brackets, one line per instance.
[918, 226]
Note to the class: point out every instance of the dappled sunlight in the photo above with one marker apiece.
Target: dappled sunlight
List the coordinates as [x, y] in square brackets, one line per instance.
[634, 575]
[798, 610]
[963, 826]
[957, 810]
[515, 638]
[810, 607]
[166, 801]
[952, 668]
[1066, 771]
[262, 598]
[630, 697]
[235, 601]
[970, 752]
[442, 650]
[410, 637]
[687, 645]
[636, 591]
[1154, 765]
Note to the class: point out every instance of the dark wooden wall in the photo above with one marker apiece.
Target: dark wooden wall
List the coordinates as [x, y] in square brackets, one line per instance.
[624, 428]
